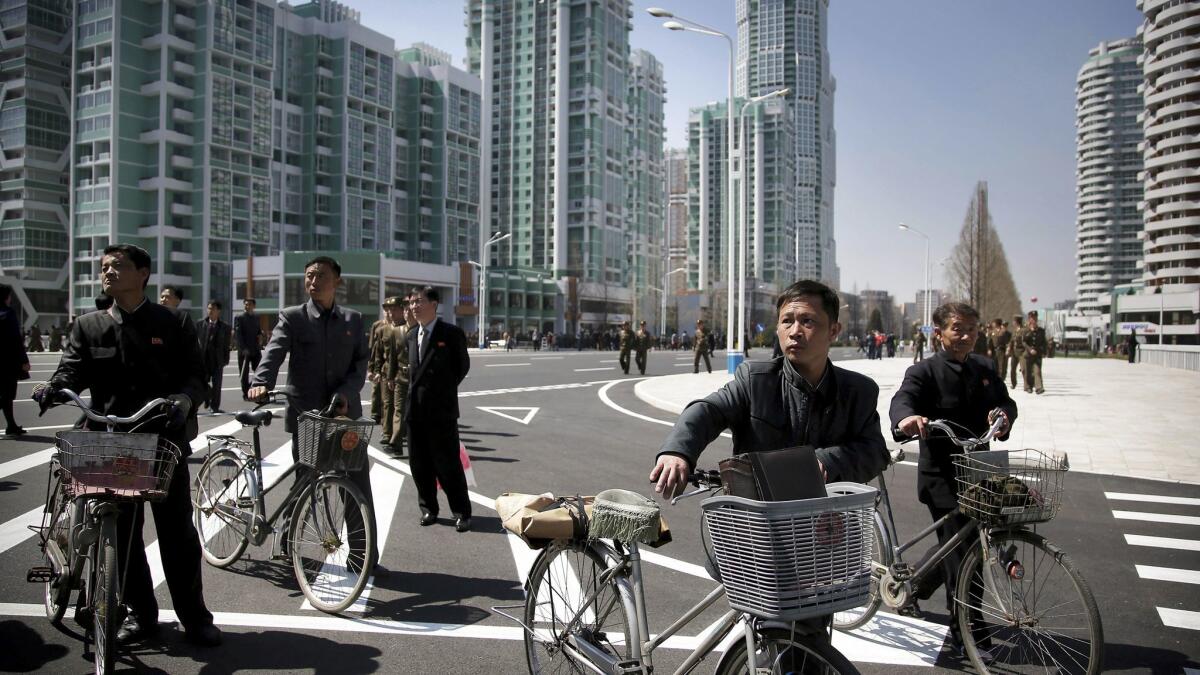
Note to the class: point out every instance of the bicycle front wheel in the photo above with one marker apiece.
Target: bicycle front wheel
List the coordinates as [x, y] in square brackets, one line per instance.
[332, 541]
[1024, 608]
[105, 606]
[223, 507]
[563, 580]
[58, 590]
[858, 616]
[780, 651]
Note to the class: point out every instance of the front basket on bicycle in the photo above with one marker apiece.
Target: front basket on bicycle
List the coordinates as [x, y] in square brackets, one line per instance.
[136, 466]
[1007, 487]
[332, 443]
[796, 559]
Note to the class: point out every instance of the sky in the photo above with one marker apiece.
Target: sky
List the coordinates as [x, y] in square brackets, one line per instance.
[932, 96]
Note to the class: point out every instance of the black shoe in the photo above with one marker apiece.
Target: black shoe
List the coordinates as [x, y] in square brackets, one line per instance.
[463, 524]
[386, 448]
[206, 635]
[14, 431]
[133, 630]
[428, 519]
[913, 611]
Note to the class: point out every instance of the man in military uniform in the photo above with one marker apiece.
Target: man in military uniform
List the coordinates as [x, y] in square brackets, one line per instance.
[641, 344]
[998, 346]
[372, 366]
[626, 337]
[56, 337]
[700, 347]
[380, 371]
[394, 375]
[1034, 338]
[1016, 351]
[918, 344]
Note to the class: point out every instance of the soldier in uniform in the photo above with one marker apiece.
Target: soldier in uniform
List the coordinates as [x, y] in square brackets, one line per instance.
[55, 339]
[1034, 338]
[918, 344]
[642, 345]
[626, 345]
[394, 375]
[998, 345]
[700, 348]
[372, 369]
[1016, 350]
[382, 351]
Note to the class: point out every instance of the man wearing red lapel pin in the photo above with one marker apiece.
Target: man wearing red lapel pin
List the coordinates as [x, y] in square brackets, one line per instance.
[437, 353]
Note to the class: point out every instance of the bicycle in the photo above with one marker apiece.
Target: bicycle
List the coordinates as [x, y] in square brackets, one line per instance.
[329, 528]
[91, 475]
[585, 607]
[1016, 590]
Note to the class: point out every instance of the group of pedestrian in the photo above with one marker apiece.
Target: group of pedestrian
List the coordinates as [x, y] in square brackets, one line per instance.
[638, 343]
[1021, 346]
[388, 370]
[876, 343]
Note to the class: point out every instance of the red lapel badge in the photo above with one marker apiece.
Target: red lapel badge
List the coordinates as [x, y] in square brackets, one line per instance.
[441, 344]
[156, 341]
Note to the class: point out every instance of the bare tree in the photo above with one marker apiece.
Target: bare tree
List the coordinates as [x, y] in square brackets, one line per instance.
[978, 271]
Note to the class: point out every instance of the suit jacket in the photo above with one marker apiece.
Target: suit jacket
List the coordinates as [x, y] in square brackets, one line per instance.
[941, 388]
[12, 347]
[214, 343]
[328, 356]
[129, 359]
[246, 332]
[842, 422]
[434, 379]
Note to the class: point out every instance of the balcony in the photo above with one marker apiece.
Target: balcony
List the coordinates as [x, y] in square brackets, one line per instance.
[184, 21]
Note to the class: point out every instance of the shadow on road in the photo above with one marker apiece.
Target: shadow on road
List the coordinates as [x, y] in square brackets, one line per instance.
[1137, 657]
[32, 655]
[277, 651]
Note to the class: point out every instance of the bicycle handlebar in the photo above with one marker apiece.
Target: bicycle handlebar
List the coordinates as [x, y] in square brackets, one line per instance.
[705, 481]
[113, 420]
[964, 441]
[289, 392]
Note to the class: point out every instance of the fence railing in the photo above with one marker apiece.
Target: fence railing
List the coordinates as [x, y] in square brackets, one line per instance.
[1186, 357]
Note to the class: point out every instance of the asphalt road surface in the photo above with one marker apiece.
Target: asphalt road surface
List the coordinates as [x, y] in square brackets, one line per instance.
[569, 423]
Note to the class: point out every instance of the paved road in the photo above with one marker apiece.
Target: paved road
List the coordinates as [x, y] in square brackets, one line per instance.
[569, 422]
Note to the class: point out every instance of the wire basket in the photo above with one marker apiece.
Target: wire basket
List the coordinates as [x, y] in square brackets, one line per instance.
[796, 559]
[332, 443]
[1007, 487]
[118, 465]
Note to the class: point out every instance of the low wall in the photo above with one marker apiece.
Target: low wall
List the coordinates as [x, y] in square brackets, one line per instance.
[1186, 357]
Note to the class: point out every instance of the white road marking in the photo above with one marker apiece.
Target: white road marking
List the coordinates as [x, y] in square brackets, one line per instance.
[1179, 618]
[1157, 499]
[33, 459]
[889, 638]
[1168, 574]
[545, 358]
[588, 370]
[17, 530]
[683, 365]
[1163, 542]
[673, 564]
[1157, 517]
[505, 365]
[53, 426]
[608, 361]
[603, 394]
[529, 413]
[518, 390]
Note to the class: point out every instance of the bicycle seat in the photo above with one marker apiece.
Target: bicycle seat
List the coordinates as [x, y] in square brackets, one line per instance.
[255, 418]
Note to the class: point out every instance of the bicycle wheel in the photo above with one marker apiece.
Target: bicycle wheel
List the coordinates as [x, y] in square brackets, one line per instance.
[784, 651]
[222, 489]
[563, 578]
[853, 618]
[105, 607]
[1044, 619]
[332, 542]
[58, 590]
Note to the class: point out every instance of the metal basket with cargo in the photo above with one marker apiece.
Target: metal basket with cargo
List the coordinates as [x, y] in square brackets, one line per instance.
[1007, 487]
[103, 463]
[332, 443]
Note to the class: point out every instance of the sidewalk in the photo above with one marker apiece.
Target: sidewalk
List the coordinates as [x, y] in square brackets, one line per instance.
[1109, 416]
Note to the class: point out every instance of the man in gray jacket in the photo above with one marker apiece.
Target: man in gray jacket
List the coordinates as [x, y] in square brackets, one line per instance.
[800, 398]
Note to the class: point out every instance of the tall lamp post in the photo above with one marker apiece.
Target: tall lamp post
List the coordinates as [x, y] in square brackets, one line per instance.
[925, 315]
[662, 317]
[479, 289]
[743, 234]
[683, 24]
[483, 325]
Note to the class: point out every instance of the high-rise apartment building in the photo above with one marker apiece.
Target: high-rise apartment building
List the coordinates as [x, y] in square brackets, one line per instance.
[646, 180]
[676, 235]
[784, 44]
[1108, 160]
[35, 139]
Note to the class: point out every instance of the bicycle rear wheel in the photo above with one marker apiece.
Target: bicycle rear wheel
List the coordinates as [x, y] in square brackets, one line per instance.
[562, 580]
[1045, 620]
[784, 651]
[57, 593]
[105, 606]
[858, 616]
[332, 542]
[223, 507]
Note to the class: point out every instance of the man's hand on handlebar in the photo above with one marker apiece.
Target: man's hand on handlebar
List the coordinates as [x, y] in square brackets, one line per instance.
[258, 394]
[670, 475]
[46, 396]
[338, 407]
[1004, 425]
[178, 414]
[914, 426]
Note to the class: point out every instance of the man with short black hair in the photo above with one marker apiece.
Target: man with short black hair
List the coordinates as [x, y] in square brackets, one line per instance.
[170, 296]
[213, 334]
[247, 333]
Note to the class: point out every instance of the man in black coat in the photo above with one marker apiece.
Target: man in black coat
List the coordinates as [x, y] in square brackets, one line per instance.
[247, 335]
[798, 399]
[438, 362]
[129, 354]
[962, 386]
[213, 334]
[14, 362]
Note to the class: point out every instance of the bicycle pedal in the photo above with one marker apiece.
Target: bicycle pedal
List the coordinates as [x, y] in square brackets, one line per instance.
[245, 502]
[39, 575]
[632, 667]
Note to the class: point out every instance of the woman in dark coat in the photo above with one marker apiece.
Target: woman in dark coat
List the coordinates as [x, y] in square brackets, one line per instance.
[14, 363]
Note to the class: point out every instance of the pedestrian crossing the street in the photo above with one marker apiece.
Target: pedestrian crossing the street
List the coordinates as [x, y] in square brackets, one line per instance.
[1143, 545]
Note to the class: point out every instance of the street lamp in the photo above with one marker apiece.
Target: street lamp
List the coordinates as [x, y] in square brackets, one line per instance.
[479, 289]
[483, 325]
[926, 310]
[662, 318]
[680, 23]
[739, 347]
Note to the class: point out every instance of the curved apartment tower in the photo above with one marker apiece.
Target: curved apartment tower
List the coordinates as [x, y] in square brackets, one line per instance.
[1108, 159]
[1171, 90]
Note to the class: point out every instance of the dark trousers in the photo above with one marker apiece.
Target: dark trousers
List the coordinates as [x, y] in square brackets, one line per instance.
[696, 361]
[433, 458]
[8, 392]
[361, 480]
[247, 363]
[214, 387]
[179, 545]
[640, 359]
[624, 359]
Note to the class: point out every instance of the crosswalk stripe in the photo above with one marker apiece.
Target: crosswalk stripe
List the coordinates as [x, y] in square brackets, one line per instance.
[1157, 517]
[1179, 618]
[1157, 499]
[1163, 542]
[1168, 574]
[588, 370]
[25, 463]
[17, 530]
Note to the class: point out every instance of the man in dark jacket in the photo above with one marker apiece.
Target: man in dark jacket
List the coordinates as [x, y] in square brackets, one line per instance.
[798, 399]
[247, 334]
[127, 355]
[963, 387]
[14, 362]
[213, 334]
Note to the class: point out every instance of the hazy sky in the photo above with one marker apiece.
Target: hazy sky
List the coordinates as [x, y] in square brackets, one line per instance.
[932, 96]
